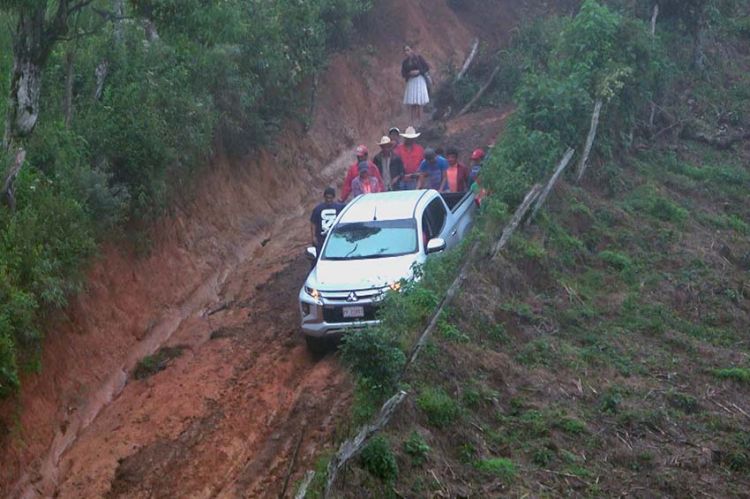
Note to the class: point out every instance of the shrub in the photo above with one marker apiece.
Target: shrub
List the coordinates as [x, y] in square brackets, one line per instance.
[440, 408]
[417, 448]
[378, 459]
[375, 355]
[615, 259]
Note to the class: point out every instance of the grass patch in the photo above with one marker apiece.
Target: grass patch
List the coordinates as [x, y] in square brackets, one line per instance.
[152, 364]
[738, 374]
[439, 407]
[616, 260]
[498, 466]
[647, 200]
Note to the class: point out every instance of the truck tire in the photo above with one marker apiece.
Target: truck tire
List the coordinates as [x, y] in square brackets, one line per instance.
[317, 346]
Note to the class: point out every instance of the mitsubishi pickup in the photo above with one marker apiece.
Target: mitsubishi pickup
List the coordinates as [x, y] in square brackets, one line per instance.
[375, 242]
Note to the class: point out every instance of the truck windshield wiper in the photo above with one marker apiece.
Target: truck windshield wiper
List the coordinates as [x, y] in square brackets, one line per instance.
[352, 251]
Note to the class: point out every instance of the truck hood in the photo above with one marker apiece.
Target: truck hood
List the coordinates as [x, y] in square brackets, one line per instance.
[342, 275]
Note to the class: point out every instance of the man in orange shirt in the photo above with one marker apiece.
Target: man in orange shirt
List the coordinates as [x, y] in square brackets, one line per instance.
[353, 171]
[457, 173]
[412, 155]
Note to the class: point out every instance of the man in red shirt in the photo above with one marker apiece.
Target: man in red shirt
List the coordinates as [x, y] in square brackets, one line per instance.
[412, 155]
[353, 171]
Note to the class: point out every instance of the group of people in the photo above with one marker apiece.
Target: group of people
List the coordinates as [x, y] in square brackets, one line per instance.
[403, 164]
[400, 164]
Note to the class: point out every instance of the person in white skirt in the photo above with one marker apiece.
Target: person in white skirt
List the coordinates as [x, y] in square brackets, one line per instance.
[415, 71]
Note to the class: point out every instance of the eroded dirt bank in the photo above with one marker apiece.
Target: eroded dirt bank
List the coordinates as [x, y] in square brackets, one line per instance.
[224, 418]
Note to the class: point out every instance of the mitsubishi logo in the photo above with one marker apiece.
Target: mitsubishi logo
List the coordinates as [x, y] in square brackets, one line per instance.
[352, 297]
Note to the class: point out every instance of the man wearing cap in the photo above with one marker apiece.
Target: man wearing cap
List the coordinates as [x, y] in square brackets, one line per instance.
[390, 165]
[361, 152]
[412, 155]
[433, 171]
[476, 165]
[323, 216]
[363, 183]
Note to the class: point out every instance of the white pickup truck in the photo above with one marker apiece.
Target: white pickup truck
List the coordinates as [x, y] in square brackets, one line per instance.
[374, 243]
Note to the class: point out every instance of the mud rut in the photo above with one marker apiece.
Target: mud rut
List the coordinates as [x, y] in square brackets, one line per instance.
[242, 407]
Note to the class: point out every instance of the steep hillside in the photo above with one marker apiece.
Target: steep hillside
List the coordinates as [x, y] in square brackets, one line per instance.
[605, 352]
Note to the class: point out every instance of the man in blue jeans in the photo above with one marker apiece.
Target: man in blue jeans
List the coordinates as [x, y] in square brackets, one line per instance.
[432, 171]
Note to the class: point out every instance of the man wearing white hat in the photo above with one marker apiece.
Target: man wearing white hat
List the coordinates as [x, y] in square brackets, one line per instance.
[411, 155]
[390, 165]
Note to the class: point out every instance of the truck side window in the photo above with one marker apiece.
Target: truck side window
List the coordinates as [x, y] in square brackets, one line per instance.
[436, 216]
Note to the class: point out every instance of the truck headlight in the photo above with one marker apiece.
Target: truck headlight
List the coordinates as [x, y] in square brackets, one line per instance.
[314, 293]
[395, 286]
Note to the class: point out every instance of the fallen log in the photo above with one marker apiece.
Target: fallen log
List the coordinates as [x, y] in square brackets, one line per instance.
[302, 491]
[480, 93]
[467, 63]
[552, 181]
[516, 220]
[721, 142]
[352, 447]
[589, 139]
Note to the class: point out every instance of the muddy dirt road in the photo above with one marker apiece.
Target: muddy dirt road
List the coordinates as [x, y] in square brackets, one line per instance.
[226, 417]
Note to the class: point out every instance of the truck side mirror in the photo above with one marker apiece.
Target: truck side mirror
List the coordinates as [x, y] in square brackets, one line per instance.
[311, 253]
[435, 245]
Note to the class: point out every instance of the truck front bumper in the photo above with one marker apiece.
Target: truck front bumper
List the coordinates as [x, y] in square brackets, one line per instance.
[326, 318]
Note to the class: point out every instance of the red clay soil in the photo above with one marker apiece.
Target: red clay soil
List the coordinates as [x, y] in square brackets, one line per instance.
[232, 414]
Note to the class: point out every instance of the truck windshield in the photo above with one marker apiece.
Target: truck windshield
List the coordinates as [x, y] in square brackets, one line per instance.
[376, 239]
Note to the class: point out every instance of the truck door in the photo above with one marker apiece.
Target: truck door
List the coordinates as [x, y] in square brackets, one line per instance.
[436, 215]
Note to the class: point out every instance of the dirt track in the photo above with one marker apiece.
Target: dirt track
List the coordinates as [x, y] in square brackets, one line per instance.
[229, 414]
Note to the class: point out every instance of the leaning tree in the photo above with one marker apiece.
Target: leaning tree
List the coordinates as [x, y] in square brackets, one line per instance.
[39, 24]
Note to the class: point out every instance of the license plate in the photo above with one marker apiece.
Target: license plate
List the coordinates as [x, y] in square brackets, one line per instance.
[353, 312]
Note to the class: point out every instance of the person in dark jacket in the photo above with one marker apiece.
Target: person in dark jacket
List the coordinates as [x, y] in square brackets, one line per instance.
[415, 71]
[390, 165]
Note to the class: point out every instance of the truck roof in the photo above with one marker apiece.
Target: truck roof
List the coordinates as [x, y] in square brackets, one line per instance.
[394, 205]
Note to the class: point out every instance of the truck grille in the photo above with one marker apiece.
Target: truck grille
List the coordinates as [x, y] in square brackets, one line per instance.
[335, 315]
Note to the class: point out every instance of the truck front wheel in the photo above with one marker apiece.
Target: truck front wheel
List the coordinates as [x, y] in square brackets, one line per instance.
[318, 346]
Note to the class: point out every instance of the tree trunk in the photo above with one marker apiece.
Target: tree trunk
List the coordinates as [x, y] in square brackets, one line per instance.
[552, 181]
[583, 163]
[118, 6]
[25, 90]
[101, 72]
[33, 41]
[69, 79]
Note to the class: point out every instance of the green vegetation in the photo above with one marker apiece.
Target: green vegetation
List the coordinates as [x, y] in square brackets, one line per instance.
[417, 448]
[152, 364]
[617, 319]
[129, 110]
[378, 459]
[739, 374]
[439, 407]
[498, 466]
